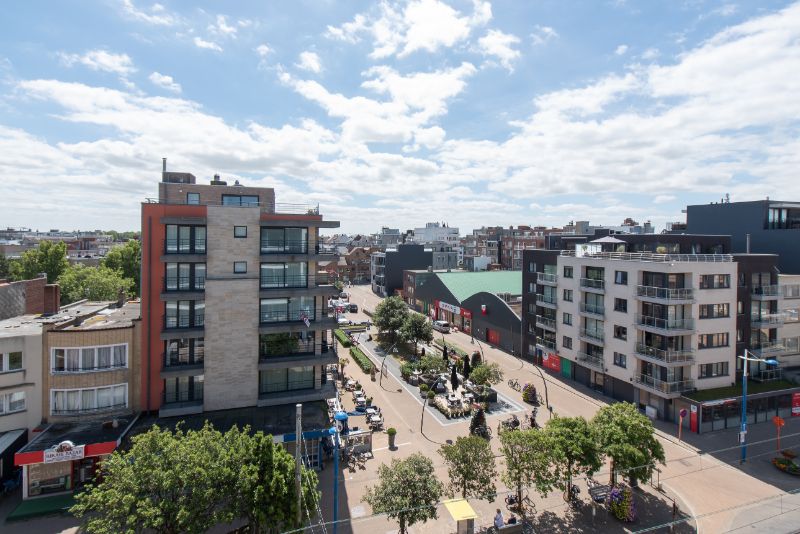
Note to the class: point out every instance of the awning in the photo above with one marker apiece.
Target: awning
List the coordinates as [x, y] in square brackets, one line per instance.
[460, 509]
[9, 438]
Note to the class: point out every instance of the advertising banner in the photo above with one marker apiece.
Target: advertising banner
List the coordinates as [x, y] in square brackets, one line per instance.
[795, 404]
[551, 361]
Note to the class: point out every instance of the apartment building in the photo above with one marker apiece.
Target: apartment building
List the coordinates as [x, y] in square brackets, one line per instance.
[234, 311]
[436, 233]
[386, 267]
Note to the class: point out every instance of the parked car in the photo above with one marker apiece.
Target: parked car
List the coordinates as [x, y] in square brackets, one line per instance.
[441, 326]
[344, 321]
[353, 308]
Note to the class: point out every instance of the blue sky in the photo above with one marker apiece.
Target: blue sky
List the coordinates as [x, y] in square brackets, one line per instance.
[397, 113]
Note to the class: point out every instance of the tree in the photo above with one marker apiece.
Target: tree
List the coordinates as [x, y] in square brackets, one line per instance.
[93, 283]
[407, 491]
[127, 261]
[486, 374]
[5, 266]
[628, 438]
[50, 257]
[466, 368]
[470, 467]
[476, 359]
[416, 329]
[477, 425]
[390, 315]
[454, 378]
[573, 451]
[526, 456]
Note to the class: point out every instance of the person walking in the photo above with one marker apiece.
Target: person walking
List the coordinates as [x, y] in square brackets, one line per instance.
[498, 519]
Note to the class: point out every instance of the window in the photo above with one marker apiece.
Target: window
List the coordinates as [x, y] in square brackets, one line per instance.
[290, 379]
[185, 239]
[183, 389]
[185, 277]
[239, 231]
[193, 198]
[567, 342]
[74, 401]
[284, 240]
[12, 402]
[621, 277]
[531, 267]
[179, 314]
[10, 361]
[710, 370]
[567, 271]
[710, 341]
[620, 360]
[76, 360]
[620, 332]
[713, 311]
[567, 318]
[240, 200]
[568, 295]
[715, 281]
[621, 305]
[240, 267]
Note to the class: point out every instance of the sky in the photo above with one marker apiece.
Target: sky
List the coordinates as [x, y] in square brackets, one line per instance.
[470, 112]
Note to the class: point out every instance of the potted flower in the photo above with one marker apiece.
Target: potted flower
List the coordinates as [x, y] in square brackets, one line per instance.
[369, 401]
[391, 432]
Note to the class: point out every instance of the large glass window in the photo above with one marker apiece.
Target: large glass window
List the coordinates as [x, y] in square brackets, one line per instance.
[12, 402]
[294, 378]
[183, 239]
[284, 240]
[74, 401]
[240, 200]
[183, 389]
[294, 274]
[184, 314]
[10, 361]
[82, 359]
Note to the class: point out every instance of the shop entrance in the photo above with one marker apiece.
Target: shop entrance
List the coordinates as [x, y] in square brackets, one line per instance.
[493, 336]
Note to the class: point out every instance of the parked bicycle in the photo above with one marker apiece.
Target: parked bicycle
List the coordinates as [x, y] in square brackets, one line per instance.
[513, 383]
[514, 505]
[512, 423]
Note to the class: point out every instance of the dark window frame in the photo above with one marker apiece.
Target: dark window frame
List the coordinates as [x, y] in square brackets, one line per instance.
[236, 229]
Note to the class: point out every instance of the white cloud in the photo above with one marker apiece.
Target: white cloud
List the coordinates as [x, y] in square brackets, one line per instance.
[157, 15]
[543, 34]
[165, 82]
[500, 45]
[349, 31]
[310, 61]
[208, 45]
[263, 50]
[101, 60]
[222, 28]
[650, 54]
[621, 50]
[244, 23]
[661, 199]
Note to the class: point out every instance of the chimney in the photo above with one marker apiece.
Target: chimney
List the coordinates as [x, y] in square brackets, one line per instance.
[163, 164]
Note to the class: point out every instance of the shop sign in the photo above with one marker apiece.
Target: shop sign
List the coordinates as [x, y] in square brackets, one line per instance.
[551, 361]
[450, 308]
[63, 452]
[718, 402]
[466, 313]
[795, 404]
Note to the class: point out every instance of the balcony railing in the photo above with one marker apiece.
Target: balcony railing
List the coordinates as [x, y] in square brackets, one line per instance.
[664, 355]
[185, 246]
[593, 309]
[773, 319]
[769, 348]
[768, 375]
[174, 360]
[664, 324]
[299, 281]
[665, 293]
[659, 258]
[766, 291]
[593, 283]
[663, 386]
[290, 385]
[592, 360]
[546, 278]
[98, 369]
[545, 299]
[287, 246]
[593, 333]
[183, 321]
[549, 343]
[267, 206]
[184, 283]
[86, 411]
[173, 397]
[545, 322]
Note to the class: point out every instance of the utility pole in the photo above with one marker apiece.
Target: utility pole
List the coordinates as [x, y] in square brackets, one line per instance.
[297, 468]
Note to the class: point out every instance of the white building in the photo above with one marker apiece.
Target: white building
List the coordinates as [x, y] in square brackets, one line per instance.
[435, 232]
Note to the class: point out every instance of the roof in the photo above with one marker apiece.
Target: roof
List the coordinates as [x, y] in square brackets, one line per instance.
[81, 433]
[9, 437]
[111, 318]
[465, 284]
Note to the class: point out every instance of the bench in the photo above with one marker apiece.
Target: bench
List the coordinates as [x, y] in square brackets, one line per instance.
[508, 529]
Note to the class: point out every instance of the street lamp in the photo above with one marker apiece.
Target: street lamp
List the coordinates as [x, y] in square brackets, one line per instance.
[546, 396]
[745, 374]
[340, 424]
[383, 361]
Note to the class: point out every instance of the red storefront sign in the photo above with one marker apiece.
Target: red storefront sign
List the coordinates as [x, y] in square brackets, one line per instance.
[39, 457]
[551, 361]
[795, 404]
[466, 313]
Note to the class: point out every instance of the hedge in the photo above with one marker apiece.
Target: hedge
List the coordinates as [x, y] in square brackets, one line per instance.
[362, 361]
[342, 337]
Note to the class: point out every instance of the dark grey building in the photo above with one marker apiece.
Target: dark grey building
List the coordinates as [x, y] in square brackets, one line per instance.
[386, 268]
[773, 227]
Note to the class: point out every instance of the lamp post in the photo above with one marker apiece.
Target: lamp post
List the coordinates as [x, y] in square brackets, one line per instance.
[383, 362]
[546, 396]
[340, 424]
[745, 375]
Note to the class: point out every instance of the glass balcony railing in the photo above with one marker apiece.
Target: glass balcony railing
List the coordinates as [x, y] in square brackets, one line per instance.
[545, 299]
[766, 291]
[545, 322]
[547, 343]
[773, 320]
[664, 324]
[593, 309]
[299, 281]
[663, 386]
[184, 283]
[546, 278]
[664, 355]
[592, 360]
[665, 293]
[592, 283]
[185, 246]
[593, 333]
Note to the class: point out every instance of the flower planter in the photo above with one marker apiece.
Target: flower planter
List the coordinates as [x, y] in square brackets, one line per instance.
[787, 466]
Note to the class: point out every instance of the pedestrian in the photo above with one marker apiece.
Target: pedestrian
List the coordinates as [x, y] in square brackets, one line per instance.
[498, 519]
[512, 520]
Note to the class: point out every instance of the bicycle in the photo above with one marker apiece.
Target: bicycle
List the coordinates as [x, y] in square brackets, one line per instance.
[513, 383]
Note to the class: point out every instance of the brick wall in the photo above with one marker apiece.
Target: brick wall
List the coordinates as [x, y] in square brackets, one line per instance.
[26, 297]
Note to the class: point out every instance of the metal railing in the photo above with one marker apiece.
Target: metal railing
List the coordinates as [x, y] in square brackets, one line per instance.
[94, 369]
[185, 246]
[184, 321]
[593, 333]
[665, 293]
[664, 355]
[547, 278]
[651, 257]
[298, 282]
[592, 359]
[767, 348]
[594, 309]
[663, 386]
[664, 324]
[289, 385]
[288, 246]
[84, 411]
[593, 283]
[550, 344]
[268, 207]
[768, 375]
[776, 319]
[184, 283]
[184, 396]
[291, 315]
[545, 322]
[540, 297]
[175, 360]
[766, 291]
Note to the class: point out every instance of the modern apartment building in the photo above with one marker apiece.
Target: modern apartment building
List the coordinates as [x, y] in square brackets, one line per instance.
[386, 267]
[234, 312]
[435, 232]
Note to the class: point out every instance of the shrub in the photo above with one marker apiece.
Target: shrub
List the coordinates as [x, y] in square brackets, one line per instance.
[363, 362]
[391, 431]
[620, 501]
[406, 370]
[424, 387]
[529, 393]
[431, 395]
[342, 337]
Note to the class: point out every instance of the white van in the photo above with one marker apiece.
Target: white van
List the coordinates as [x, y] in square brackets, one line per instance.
[441, 326]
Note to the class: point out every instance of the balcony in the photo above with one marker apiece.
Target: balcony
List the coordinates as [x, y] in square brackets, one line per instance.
[273, 398]
[546, 278]
[299, 282]
[772, 320]
[548, 344]
[184, 284]
[592, 334]
[770, 349]
[593, 284]
[665, 294]
[172, 365]
[772, 292]
[277, 321]
[89, 411]
[592, 360]
[294, 247]
[768, 375]
[174, 403]
[548, 301]
[303, 354]
[185, 246]
[669, 327]
[663, 356]
[546, 323]
[593, 309]
[662, 387]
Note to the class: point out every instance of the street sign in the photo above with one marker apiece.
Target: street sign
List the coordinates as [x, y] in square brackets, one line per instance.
[683, 412]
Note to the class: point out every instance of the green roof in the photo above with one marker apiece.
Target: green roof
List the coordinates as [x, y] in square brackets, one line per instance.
[465, 284]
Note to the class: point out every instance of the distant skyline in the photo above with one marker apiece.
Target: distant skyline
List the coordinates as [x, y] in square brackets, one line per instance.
[473, 112]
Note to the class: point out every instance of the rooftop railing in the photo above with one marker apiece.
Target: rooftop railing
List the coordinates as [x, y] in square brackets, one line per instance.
[269, 207]
[651, 257]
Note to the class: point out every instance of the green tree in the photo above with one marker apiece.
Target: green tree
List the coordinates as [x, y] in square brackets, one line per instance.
[471, 468]
[573, 451]
[628, 438]
[93, 283]
[407, 491]
[5, 266]
[431, 365]
[127, 260]
[416, 329]
[486, 374]
[390, 315]
[527, 464]
[49, 257]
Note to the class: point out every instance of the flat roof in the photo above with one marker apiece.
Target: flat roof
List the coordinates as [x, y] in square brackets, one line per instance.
[111, 318]
[80, 433]
[31, 324]
[464, 284]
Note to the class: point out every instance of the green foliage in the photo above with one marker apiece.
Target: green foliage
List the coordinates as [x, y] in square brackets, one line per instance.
[407, 491]
[93, 283]
[470, 467]
[361, 360]
[406, 369]
[49, 257]
[526, 453]
[127, 261]
[486, 374]
[123, 236]
[431, 365]
[391, 431]
[5, 266]
[416, 329]
[628, 438]
[620, 502]
[573, 450]
[477, 425]
[342, 337]
[475, 359]
[442, 345]
[279, 344]
[339, 285]
[390, 315]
